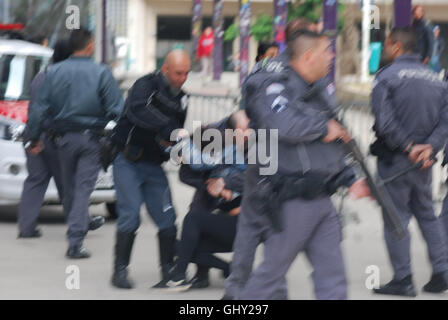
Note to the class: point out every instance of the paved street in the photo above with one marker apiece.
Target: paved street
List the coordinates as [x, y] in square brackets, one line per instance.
[36, 269]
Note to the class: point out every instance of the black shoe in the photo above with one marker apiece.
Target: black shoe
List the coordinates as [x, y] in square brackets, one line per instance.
[36, 233]
[120, 280]
[123, 249]
[199, 282]
[438, 283]
[77, 252]
[398, 287]
[96, 222]
[162, 284]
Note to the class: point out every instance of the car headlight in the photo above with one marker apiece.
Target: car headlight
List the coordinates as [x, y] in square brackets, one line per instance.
[11, 130]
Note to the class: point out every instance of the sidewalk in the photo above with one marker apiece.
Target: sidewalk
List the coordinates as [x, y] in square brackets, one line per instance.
[37, 269]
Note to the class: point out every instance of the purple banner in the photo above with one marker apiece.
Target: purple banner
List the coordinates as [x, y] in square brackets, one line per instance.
[403, 13]
[218, 22]
[196, 25]
[280, 20]
[331, 24]
[244, 39]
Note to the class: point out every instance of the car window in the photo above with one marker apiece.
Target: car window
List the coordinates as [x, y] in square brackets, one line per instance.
[16, 74]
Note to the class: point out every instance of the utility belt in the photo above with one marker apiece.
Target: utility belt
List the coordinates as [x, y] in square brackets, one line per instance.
[272, 191]
[56, 134]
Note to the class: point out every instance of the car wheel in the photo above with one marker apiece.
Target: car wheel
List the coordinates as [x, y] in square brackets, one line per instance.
[112, 210]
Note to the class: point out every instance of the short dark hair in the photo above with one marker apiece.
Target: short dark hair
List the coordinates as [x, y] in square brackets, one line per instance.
[79, 39]
[263, 48]
[62, 50]
[302, 41]
[406, 36]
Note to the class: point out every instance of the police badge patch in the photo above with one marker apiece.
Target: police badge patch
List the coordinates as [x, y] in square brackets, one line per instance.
[280, 103]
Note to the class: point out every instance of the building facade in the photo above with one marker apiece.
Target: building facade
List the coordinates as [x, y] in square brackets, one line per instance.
[154, 27]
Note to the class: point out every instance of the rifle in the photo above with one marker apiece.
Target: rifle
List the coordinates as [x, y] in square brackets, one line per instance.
[376, 184]
[379, 191]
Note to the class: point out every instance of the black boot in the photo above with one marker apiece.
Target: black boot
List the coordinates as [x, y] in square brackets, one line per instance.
[123, 249]
[403, 287]
[438, 283]
[167, 251]
[77, 252]
[201, 279]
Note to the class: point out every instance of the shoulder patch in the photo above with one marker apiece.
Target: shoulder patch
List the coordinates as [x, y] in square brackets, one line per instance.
[280, 103]
[274, 88]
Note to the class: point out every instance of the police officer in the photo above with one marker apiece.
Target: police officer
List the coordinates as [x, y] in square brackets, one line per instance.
[244, 255]
[42, 167]
[309, 153]
[80, 97]
[409, 103]
[155, 107]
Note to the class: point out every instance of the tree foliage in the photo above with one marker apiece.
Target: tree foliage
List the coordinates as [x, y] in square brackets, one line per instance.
[263, 27]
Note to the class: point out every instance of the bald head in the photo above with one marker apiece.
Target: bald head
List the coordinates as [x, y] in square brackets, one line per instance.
[176, 68]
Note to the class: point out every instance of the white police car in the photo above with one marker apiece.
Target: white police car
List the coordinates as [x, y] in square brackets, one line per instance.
[20, 61]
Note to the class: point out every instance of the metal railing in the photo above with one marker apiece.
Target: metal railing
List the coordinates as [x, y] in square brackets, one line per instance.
[356, 116]
[208, 109]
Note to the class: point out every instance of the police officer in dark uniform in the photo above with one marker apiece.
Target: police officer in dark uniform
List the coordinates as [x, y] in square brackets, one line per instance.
[244, 255]
[410, 106]
[44, 166]
[311, 166]
[80, 97]
[156, 106]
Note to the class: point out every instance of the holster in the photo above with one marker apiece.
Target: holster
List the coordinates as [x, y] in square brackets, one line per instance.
[267, 202]
[380, 149]
[108, 152]
[272, 191]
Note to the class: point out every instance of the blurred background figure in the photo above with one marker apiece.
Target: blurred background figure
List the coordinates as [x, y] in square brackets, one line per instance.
[424, 31]
[439, 46]
[205, 50]
[266, 51]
